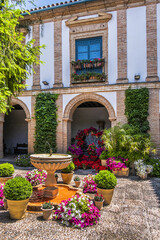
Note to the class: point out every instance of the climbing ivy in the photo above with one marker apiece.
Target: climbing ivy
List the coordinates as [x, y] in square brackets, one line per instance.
[136, 109]
[46, 122]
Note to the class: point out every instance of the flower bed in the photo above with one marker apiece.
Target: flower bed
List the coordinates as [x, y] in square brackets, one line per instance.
[89, 185]
[1, 195]
[36, 177]
[77, 211]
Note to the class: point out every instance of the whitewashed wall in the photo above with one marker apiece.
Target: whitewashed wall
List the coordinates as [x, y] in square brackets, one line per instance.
[136, 43]
[29, 80]
[111, 97]
[112, 49]
[87, 117]
[27, 101]
[66, 99]
[158, 38]
[65, 55]
[47, 56]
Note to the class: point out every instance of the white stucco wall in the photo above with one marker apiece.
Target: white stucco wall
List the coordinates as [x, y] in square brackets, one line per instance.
[87, 117]
[65, 55]
[158, 38]
[112, 49]
[15, 129]
[27, 101]
[136, 43]
[29, 80]
[47, 56]
[111, 97]
[67, 98]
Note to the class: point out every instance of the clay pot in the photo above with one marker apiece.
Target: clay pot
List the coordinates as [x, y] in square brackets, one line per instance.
[143, 176]
[67, 177]
[5, 179]
[103, 162]
[121, 173]
[77, 183]
[47, 213]
[99, 204]
[107, 194]
[17, 208]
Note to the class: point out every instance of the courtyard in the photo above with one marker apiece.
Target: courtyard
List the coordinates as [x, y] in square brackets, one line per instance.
[134, 214]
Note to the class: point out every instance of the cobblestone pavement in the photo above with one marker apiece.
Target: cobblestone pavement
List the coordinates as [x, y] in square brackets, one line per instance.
[134, 214]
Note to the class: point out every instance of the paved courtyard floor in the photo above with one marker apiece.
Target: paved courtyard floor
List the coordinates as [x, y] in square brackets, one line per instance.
[134, 214]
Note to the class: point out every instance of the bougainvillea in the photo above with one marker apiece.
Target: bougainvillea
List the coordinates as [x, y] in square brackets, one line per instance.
[77, 211]
[36, 176]
[89, 185]
[1, 195]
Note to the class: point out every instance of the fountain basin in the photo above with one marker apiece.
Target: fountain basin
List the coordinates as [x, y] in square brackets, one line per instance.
[50, 163]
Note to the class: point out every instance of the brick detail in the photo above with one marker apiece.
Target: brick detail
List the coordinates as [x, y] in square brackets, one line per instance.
[153, 117]
[60, 132]
[36, 75]
[58, 54]
[151, 19]
[32, 126]
[122, 46]
[121, 118]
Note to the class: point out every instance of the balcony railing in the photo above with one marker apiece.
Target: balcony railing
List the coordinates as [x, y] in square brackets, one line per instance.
[84, 71]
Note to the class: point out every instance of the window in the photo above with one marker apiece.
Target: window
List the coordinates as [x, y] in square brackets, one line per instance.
[89, 48]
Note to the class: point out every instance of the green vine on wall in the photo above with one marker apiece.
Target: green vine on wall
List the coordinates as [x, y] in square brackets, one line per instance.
[46, 122]
[136, 109]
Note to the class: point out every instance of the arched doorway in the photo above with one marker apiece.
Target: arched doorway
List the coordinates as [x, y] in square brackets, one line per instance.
[15, 132]
[89, 114]
[4, 139]
[73, 105]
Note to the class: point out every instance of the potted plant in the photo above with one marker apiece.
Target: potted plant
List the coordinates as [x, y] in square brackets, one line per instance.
[67, 173]
[17, 192]
[47, 209]
[6, 172]
[103, 158]
[118, 166]
[77, 181]
[106, 182]
[98, 200]
[142, 169]
[56, 177]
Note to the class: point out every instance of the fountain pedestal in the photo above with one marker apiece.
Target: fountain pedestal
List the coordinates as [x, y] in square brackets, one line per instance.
[50, 163]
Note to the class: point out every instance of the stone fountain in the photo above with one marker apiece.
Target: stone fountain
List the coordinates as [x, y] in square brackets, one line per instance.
[50, 163]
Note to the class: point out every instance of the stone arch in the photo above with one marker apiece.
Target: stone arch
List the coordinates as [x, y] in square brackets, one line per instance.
[15, 101]
[71, 107]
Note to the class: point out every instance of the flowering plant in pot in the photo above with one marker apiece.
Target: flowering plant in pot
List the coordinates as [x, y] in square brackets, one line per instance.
[77, 181]
[89, 185]
[1, 195]
[6, 172]
[103, 156]
[17, 192]
[36, 176]
[67, 173]
[106, 182]
[118, 166]
[47, 209]
[142, 169]
[78, 211]
[98, 199]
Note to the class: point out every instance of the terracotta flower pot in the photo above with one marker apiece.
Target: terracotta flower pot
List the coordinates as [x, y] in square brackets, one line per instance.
[121, 173]
[67, 177]
[77, 183]
[5, 179]
[143, 176]
[99, 204]
[107, 194]
[17, 208]
[47, 213]
[103, 162]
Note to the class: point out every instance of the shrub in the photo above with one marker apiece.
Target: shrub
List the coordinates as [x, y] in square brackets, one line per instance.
[17, 188]
[76, 178]
[69, 169]
[6, 170]
[156, 166]
[77, 211]
[98, 197]
[104, 155]
[105, 179]
[36, 176]
[23, 160]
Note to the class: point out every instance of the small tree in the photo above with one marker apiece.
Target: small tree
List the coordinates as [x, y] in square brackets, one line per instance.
[15, 56]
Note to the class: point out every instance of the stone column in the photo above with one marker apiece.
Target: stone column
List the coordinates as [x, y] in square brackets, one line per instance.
[59, 133]
[1, 134]
[151, 18]
[36, 75]
[122, 46]
[28, 120]
[32, 125]
[113, 121]
[58, 54]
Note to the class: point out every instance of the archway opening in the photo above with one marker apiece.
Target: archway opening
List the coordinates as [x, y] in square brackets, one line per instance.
[15, 132]
[89, 114]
